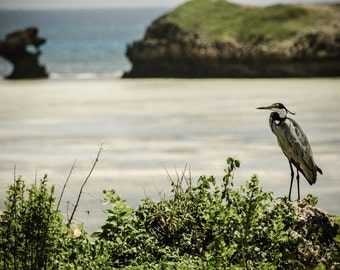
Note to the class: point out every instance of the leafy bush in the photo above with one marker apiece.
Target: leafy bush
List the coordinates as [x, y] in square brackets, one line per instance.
[81, 252]
[210, 226]
[29, 227]
[203, 225]
[33, 235]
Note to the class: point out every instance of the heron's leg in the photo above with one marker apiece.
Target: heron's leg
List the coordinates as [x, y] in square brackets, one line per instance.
[298, 182]
[291, 180]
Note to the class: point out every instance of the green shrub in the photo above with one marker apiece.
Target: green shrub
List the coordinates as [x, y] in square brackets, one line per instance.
[201, 225]
[82, 252]
[33, 235]
[29, 227]
[210, 226]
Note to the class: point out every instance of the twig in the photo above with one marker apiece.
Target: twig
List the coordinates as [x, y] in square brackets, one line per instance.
[178, 185]
[83, 185]
[169, 176]
[15, 174]
[64, 187]
[188, 179]
[35, 177]
[183, 177]
[67, 204]
[160, 192]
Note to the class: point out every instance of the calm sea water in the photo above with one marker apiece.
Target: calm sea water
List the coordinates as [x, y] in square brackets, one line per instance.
[81, 43]
[152, 126]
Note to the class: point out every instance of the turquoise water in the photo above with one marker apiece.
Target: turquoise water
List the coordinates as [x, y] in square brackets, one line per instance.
[81, 42]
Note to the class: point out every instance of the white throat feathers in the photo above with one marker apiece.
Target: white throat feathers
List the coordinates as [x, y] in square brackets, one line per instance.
[282, 112]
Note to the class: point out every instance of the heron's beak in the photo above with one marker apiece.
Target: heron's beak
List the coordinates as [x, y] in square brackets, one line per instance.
[272, 108]
[265, 108]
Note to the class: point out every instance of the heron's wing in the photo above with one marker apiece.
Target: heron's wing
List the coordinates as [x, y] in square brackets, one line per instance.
[301, 152]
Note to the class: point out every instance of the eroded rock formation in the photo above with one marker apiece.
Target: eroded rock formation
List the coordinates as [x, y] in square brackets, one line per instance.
[14, 48]
[168, 51]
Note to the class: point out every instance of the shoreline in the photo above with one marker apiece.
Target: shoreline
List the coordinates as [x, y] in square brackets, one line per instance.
[116, 76]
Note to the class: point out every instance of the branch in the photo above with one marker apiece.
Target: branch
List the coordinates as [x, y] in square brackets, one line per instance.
[64, 187]
[15, 174]
[83, 185]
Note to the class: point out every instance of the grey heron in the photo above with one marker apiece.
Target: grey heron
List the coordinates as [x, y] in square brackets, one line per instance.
[294, 144]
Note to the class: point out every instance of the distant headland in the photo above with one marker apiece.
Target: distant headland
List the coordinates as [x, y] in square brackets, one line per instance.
[219, 39]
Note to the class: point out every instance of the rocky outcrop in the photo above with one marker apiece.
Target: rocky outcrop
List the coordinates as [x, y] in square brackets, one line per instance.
[311, 220]
[15, 49]
[168, 51]
[313, 223]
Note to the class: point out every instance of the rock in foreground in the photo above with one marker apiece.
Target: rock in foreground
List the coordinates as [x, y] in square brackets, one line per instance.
[314, 230]
[14, 49]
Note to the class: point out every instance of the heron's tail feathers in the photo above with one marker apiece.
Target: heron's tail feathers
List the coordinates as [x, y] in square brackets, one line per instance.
[312, 176]
[313, 179]
[318, 169]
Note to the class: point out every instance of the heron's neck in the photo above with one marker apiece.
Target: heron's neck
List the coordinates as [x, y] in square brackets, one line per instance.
[282, 113]
[276, 118]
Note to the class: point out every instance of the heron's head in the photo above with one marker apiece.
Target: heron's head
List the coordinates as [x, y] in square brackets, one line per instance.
[277, 107]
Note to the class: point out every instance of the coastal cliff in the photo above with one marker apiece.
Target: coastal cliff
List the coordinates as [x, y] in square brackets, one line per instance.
[220, 40]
